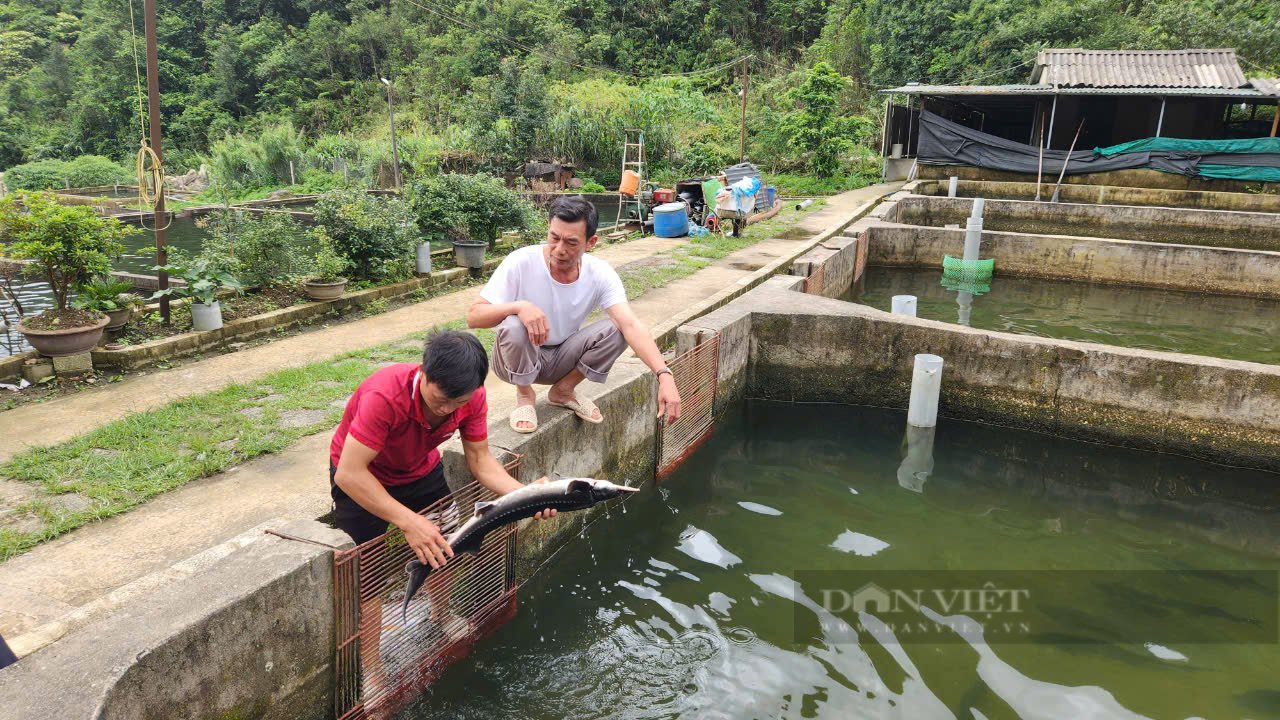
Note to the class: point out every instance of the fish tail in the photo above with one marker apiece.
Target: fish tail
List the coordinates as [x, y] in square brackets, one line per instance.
[417, 575]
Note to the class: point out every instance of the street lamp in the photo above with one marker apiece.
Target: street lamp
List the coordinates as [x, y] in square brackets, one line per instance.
[395, 152]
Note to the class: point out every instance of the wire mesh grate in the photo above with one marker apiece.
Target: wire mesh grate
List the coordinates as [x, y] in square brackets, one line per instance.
[696, 373]
[813, 284]
[383, 663]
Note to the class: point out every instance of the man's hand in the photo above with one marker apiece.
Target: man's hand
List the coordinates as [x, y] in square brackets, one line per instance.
[668, 398]
[548, 512]
[535, 323]
[426, 541]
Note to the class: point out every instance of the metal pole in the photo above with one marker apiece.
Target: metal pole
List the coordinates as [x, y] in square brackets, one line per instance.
[888, 105]
[742, 129]
[395, 151]
[153, 98]
[911, 119]
[1160, 122]
[1052, 114]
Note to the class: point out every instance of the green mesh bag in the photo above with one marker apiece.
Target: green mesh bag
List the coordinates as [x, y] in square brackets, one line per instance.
[958, 269]
[973, 287]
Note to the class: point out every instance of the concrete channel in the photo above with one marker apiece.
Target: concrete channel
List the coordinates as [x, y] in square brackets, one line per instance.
[252, 634]
[1104, 195]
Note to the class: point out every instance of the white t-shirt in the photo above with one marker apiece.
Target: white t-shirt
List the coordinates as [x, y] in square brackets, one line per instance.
[524, 275]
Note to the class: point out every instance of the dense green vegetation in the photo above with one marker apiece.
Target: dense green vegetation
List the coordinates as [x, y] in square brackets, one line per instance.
[249, 87]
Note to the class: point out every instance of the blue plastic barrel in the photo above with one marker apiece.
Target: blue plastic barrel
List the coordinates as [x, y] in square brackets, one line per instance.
[671, 220]
[773, 196]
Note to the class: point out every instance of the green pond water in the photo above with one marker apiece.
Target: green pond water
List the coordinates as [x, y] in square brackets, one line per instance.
[1149, 584]
[1225, 326]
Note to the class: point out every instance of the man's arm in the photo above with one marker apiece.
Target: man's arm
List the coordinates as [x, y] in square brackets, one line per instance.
[484, 314]
[489, 472]
[356, 481]
[641, 341]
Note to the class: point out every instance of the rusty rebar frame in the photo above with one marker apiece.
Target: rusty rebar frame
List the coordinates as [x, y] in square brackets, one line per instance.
[696, 372]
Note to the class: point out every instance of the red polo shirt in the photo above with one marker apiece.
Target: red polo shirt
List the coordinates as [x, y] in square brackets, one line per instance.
[386, 415]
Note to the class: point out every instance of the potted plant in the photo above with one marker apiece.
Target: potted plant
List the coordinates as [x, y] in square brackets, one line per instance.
[68, 245]
[326, 282]
[467, 253]
[202, 278]
[108, 295]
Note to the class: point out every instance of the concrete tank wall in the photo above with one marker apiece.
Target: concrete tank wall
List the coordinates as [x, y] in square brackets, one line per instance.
[1126, 178]
[1121, 262]
[1105, 195]
[1214, 228]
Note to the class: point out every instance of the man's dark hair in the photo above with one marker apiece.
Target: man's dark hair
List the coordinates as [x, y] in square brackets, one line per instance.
[573, 208]
[455, 361]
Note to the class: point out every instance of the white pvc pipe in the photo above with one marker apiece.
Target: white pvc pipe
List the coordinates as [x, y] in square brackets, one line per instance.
[926, 385]
[972, 238]
[422, 259]
[951, 189]
[965, 301]
[978, 205]
[904, 305]
[917, 466]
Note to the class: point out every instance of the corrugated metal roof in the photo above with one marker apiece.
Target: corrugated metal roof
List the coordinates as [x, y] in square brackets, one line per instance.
[1029, 90]
[1074, 67]
[1267, 86]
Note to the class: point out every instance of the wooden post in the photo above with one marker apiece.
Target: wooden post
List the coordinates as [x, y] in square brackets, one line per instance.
[742, 129]
[1275, 121]
[153, 97]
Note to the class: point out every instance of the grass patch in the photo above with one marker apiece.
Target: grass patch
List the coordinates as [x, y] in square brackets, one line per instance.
[124, 463]
[788, 184]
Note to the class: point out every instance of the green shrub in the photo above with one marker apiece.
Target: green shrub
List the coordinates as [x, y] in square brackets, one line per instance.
[480, 203]
[94, 170]
[267, 250]
[591, 186]
[376, 234]
[38, 175]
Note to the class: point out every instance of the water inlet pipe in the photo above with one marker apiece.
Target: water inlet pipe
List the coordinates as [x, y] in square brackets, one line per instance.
[965, 301]
[904, 305]
[917, 466]
[926, 386]
[951, 188]
[803, 205]
[978, 205]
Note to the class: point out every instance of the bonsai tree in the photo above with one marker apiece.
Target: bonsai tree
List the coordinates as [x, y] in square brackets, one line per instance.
[328, 265]
[68, 244]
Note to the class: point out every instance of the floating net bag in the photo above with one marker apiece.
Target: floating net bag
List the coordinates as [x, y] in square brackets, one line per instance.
[957, 269]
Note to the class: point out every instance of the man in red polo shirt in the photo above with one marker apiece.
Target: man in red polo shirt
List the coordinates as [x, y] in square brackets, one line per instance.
[383, 463]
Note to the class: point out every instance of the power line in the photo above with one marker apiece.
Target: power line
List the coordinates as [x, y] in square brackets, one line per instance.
[568, 61]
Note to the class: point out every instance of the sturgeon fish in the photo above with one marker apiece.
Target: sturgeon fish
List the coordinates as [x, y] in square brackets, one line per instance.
[563, 494]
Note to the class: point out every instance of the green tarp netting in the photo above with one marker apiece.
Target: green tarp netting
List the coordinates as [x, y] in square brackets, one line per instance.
[1199, 147]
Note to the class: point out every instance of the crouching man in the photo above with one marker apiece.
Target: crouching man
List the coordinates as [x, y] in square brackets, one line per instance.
[538, 299]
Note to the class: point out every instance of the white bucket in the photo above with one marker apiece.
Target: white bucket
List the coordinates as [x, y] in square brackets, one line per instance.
[206, 317]
[897, 151]
[904, 305]
[422, 259]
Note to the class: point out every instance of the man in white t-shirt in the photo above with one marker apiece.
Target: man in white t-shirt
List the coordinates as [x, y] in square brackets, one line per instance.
[538, 298]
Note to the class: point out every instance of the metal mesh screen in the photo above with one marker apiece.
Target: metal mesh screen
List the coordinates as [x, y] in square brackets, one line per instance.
[383, 663]
[814, 283]
[696, 373]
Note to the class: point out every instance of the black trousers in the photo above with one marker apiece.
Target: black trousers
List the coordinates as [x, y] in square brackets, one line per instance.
[363, 525]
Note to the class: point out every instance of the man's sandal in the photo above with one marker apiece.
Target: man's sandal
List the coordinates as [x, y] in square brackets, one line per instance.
[582, 407]
[524, 413]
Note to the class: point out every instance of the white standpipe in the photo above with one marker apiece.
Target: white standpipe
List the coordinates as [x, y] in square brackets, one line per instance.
[977, 208]
[926, 384]
[965, 301]
[972, 238]
[904, 305]
[951, 189]
[917, 466]
[422, 259]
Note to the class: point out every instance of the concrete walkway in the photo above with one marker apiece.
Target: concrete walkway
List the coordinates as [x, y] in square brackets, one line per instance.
[83, 575]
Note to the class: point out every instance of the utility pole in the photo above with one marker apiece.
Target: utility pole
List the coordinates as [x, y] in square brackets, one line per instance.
[742, 129]
[153, 98]
[395, 152]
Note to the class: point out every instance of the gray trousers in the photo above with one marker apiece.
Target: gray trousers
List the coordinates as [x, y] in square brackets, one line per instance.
[592, 350]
